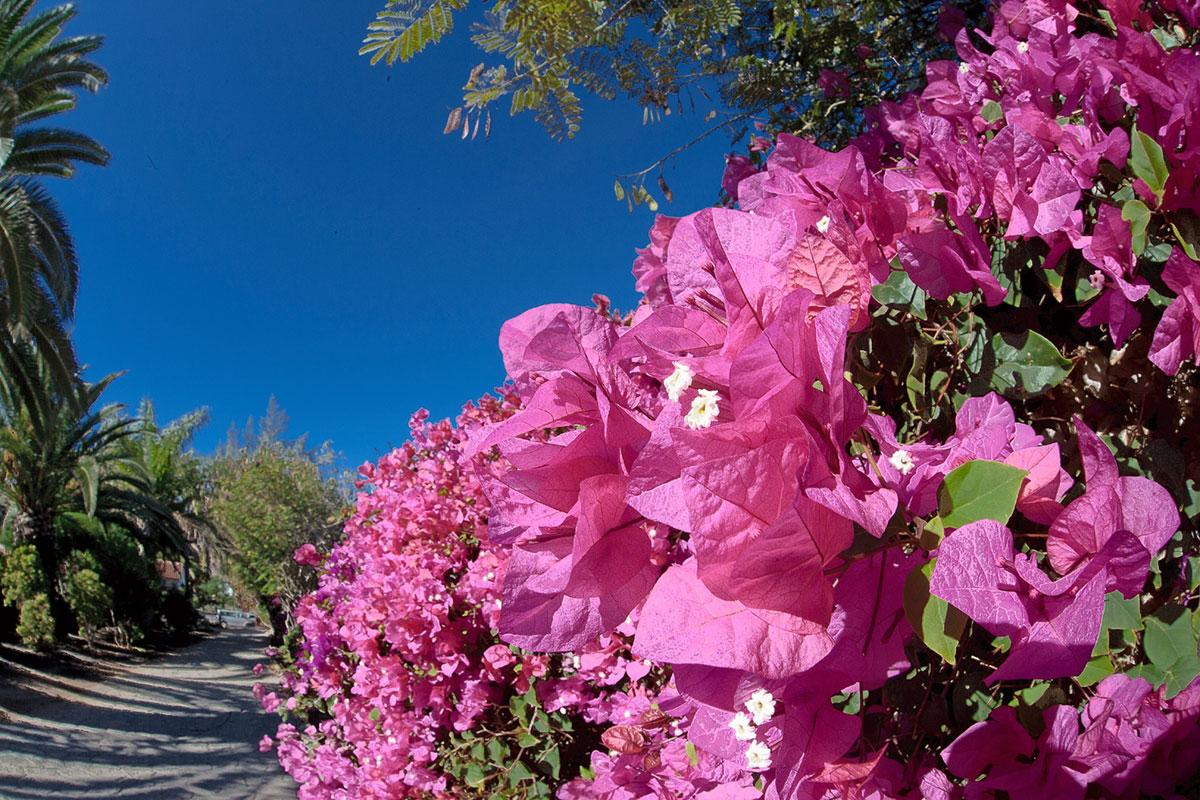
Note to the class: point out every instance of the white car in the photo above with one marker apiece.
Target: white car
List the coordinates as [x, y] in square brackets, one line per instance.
[229, 618]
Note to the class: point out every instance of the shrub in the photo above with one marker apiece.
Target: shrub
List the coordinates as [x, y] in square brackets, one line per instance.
[90, 600]
[36, 626]
[886, 489]
[22, 576]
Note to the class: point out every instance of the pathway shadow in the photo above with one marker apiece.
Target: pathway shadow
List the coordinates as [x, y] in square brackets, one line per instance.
[182, 726]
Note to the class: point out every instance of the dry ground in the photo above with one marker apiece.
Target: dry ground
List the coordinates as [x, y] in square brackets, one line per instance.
[175, 727]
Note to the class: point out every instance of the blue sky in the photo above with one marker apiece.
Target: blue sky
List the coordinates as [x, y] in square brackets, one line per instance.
[280, 217]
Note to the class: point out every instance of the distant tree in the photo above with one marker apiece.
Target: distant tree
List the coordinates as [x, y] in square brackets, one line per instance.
[271, 495]
[801, 66]
[39, 74]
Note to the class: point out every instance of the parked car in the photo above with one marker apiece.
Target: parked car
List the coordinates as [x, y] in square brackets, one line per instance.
[231, 618]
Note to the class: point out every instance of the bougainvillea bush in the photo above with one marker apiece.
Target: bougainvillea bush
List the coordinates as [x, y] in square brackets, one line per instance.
[886, 489]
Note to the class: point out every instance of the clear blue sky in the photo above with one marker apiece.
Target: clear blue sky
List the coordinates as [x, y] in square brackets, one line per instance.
[282, 218]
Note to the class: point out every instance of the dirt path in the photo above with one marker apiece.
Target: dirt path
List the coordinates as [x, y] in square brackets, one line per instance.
[185, 726]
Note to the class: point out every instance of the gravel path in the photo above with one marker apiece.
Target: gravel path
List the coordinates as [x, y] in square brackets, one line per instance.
[185, 726]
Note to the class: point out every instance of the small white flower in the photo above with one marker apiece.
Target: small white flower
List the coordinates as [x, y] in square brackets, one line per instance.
[761, 706]
[743, 728]
[1023, 47]
[1096, 279]
[758, 757]
[902, 461]
[964, 68]
[823, 225]
[678, 381]
[704, 410]
[491, 576]
[499, 603]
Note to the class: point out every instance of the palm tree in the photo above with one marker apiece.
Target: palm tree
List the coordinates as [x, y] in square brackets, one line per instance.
[39, 271]
[177, 480]
[61, 455]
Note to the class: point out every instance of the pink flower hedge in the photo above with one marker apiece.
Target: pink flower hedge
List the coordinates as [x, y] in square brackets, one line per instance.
[683, 557]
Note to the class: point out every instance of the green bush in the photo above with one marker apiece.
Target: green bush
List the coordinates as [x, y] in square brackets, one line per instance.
[36, 627]
[90, 600]
[21, 575]
[135, 584]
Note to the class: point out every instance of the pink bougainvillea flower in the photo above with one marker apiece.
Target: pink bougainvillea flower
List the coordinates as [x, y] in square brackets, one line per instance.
[1044, 484]
[650, 266]
[1111, 505]
[683, 622]
[1053, 624]
[1177, 336]
[737, 169]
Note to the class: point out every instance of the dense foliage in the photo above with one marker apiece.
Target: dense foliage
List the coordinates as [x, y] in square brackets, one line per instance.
[887, 489]
[808, 67]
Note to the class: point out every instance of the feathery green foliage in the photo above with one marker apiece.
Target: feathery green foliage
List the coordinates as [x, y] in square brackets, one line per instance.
[762, 58]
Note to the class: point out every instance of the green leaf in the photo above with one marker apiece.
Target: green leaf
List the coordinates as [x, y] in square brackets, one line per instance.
[991, 111]
[1096, 670]
[1122, 614]
[693, 757]
[552, 761]
[933, 533]
[1147, 162]
[938, 624]
[518, 773]
[475, 775]
[497, 753]
[1148, 672]
[527, 740]
[979, 490]
[478, 753]
[901, 292]
[1169, 636]
[1027, 364]
[1031, 694]
[87, 472]
[1188, 235]
[619, 191]
[1180, 674]
[519, 706]
[374, 715]
[1138, 216]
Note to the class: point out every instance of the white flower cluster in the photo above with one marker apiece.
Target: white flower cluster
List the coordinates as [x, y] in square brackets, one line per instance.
[704, 407]
[902, 461]
[678, 381]
[759, 709]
